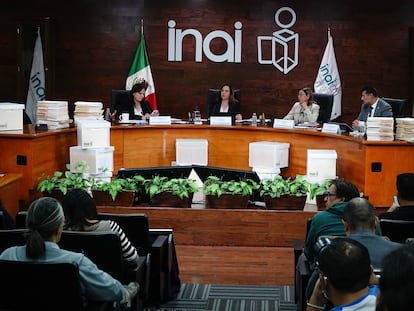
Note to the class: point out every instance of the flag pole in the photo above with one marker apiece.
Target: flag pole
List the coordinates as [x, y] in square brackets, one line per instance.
[142, 26]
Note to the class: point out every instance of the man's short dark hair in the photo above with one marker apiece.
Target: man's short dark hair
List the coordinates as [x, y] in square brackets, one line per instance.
[370, 90]
[405, 186]
[397, 280]
[359, 214]
[345, 189]
[346, 264]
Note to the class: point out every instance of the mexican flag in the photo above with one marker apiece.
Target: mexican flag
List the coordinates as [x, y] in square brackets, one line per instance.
[140, 69]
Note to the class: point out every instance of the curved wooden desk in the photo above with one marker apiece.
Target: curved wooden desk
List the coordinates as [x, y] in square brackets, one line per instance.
[372, 166]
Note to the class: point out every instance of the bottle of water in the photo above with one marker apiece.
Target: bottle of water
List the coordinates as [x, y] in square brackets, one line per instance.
[197, 116]
[254, 119]
[108, 115]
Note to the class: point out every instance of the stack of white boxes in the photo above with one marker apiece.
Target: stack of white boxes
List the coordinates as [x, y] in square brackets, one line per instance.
[192, 152]
[321, 165]
[11, 117]
[267, 158]
[94, 148]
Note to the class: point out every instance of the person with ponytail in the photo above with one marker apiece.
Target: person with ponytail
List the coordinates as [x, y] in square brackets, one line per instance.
[44, 221]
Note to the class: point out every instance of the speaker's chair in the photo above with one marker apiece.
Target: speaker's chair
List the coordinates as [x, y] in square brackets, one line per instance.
[325, 102]
[398, 105]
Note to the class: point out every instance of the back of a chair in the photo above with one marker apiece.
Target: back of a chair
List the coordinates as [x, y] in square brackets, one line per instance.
[103, 248]
[40, 286]
[21, 219]
[136, 228]
[398, 105]
[325, 102]
[120, 100]
[397, 230]
[12, 237]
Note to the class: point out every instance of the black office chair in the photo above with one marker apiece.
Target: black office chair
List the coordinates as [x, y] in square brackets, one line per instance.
[325, 102]
[397, 230]
[104, 249]
[398, 105]
[120, 100]
[20, 221]
[12, 237]
[155, 246]
[214, 97]
[43, 286]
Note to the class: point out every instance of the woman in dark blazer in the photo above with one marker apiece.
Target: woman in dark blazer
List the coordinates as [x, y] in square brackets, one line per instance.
[138, 108]
[227, 103]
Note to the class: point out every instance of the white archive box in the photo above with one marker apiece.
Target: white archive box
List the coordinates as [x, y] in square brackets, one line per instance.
[321, 164]
[93, 133]
[99, 160]
[11, 117]
[191, 151]
[268, 154]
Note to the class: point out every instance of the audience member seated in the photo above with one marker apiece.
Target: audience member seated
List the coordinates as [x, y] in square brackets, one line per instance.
[81, 215]
[227, 103]
[45, 220]
[138, 108]
[305, 109]
[345, 273]
[360, 224]
[372, 106]
[397, 280]
[405, 195]
[325, 223]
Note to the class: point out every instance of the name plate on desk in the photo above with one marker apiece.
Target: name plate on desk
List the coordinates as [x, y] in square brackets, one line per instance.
[160, 120]
[330, 128]
[225, 120]
[283, 124]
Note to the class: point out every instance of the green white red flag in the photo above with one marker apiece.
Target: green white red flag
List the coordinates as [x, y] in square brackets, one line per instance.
[140, 69]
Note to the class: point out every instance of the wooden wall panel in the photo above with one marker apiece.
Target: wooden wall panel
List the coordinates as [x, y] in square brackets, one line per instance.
[95, 40]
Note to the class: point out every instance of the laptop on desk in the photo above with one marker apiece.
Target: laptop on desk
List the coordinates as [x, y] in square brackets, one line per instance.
[343, 127]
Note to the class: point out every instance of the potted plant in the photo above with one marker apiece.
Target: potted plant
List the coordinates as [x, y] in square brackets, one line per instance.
[289, 193]
[118, 191]
[175, 192]
[59, 184]
[228, 194]
[318, 191]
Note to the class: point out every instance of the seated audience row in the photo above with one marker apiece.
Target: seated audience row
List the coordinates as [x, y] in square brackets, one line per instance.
[45, 222]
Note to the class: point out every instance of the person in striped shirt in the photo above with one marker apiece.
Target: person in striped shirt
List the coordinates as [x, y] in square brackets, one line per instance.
[81, 215]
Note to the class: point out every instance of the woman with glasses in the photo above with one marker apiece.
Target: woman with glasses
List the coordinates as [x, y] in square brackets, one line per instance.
[305, 109]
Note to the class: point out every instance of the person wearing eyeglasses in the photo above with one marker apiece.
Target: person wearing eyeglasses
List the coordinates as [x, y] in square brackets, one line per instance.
[372, 106]
[325, 223]
[345, 278]
[305, 109]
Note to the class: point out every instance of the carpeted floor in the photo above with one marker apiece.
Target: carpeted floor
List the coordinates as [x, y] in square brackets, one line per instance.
[197, 297]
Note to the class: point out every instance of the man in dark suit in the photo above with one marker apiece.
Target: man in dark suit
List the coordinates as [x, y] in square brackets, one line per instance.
[372, 106]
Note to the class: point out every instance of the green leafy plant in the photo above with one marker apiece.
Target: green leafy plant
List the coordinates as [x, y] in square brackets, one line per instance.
[298, 186]
[318, 188]
[275, 187]
[279, 186]
[68, 180]
[216, 187]
[118, 185]
[181, 187]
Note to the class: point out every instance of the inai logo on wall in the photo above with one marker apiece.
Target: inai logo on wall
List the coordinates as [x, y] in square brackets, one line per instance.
[284, 44]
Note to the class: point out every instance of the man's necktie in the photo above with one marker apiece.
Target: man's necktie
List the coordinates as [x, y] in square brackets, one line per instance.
[370, 111]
